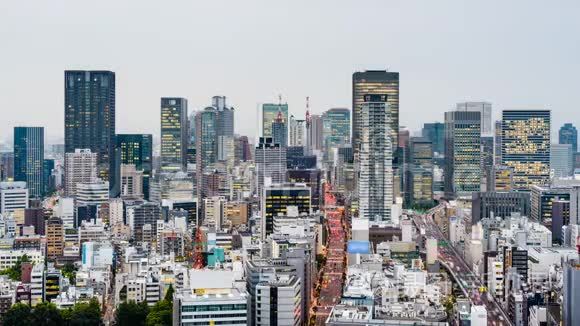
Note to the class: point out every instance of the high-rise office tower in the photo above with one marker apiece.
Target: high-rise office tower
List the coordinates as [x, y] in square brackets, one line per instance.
[48, 177]
[314, 133]
[80, 167]
[336, 128]
[269, 115]
[206, 124]
[571, 295]
[270, 161]
[225, 129]
[284, 301]
[89, 119]
[191, 149]
[278, 197]
[485, 109]
[462, 152]
[206, 145]
[568, 135]
[375, 82]
[174, 134]
[487, 151]
[6, 166]
[297, 128]
[561, 160]
[242, 149]
[420, 172]
[311, 178]
[526, 146]
[375, 188]
[435, 132]
[137, 149]
[280, 131]
[29, 158]
[497, 143]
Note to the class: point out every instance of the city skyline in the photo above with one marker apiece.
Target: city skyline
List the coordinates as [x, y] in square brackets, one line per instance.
[503, 76]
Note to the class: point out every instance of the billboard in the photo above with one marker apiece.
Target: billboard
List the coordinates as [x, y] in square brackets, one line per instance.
[358, 247]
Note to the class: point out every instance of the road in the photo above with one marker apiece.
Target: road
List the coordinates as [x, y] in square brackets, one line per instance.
[466, 278]
[333, 271]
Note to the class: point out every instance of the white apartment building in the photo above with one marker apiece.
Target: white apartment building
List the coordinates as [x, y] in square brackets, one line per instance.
[80, 167]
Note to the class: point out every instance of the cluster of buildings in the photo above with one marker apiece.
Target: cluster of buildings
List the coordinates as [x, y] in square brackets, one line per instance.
[249, 230]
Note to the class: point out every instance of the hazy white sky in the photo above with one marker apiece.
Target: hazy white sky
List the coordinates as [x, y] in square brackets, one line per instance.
[515, 54]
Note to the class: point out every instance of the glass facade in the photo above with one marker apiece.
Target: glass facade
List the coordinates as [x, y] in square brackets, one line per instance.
[568, 135]
[174, 134]
[206, 137]
[375, 82]
[29, 159]
[269, 114]
[462, 152]
[89, 120]
[336, 128]
[435, 132]
[277, 200]
[137, 149]
[526, 146]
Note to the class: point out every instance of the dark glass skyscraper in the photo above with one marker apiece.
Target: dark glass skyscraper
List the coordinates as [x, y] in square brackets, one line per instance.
[174, 134]
[569, 135]
[377, 82]
[435, 132]
[280, 131]
[29, 158]
[137, 149]
[89, 121]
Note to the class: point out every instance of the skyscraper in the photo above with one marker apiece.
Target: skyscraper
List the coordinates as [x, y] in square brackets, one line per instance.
[296, 127]
[89, 119]
[375, 189]
[276, 199]
[485, 109]
[225, 129]
[206, 145]
[420, 172]
[137, 149]
[314, 133]
[336, 128]
[375, 82]
[206, 124]
[462, 152]
[174, 134]
[526, 146]
[561, 160]
[435, 132]
[269, 114]
[280, 131]
[270, 163]
[571, 295]
[497, 143]
[569, 135]
[29, 158]
[486, 159]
